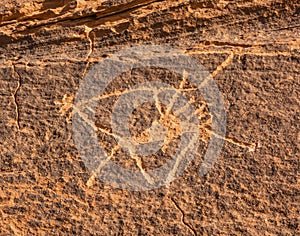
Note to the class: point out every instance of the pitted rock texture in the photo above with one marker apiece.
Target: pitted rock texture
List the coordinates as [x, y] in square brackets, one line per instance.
[250, 47]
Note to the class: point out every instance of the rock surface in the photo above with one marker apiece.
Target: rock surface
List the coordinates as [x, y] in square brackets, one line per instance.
[250, 47]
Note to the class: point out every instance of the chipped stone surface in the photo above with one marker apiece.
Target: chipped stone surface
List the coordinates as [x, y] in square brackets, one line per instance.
[251, 48]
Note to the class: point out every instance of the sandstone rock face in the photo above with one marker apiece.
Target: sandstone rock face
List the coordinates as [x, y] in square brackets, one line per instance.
[251, 50]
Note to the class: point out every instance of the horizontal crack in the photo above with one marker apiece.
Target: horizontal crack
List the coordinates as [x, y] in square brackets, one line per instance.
[284, 28]
[223, 43]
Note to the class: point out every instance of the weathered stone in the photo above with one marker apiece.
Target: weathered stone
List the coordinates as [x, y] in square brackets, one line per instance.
[251, 48]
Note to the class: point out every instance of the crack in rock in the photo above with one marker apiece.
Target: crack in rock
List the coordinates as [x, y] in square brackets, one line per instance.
[193, 231]
[14, 96]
